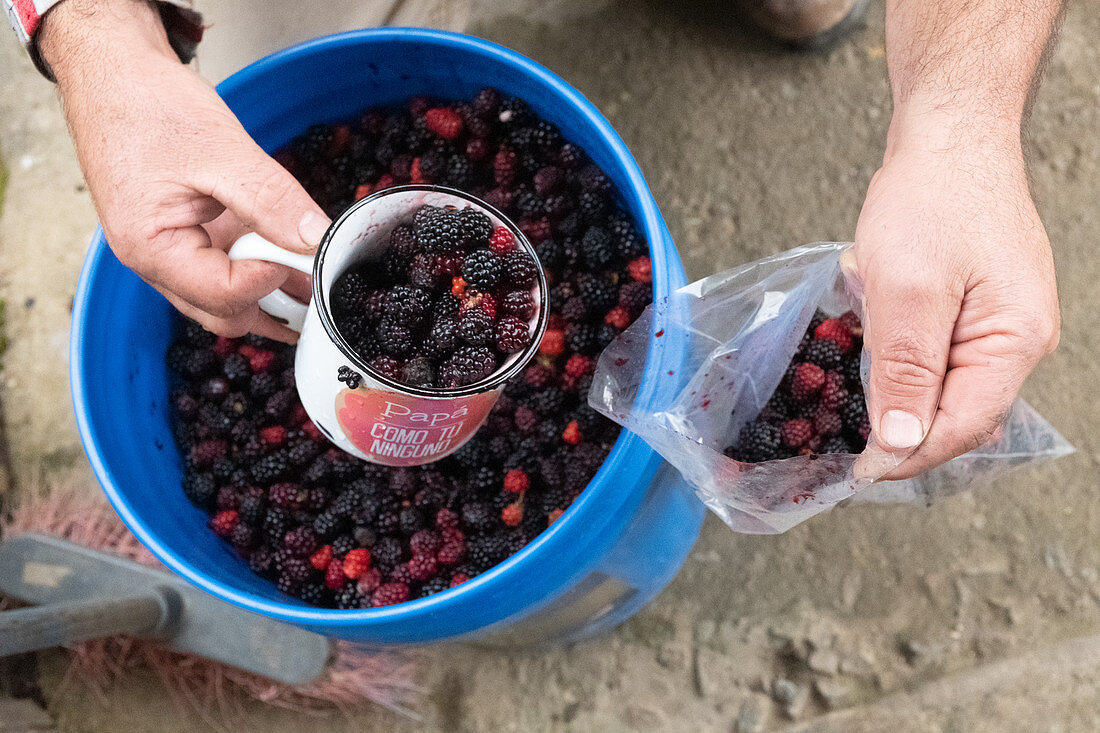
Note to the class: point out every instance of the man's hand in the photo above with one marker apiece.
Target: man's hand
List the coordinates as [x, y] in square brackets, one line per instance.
[959, 294]
[958, 279]
[173, 175]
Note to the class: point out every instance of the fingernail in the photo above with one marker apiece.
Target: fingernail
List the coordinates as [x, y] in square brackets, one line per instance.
[312, 227]
[898, 429]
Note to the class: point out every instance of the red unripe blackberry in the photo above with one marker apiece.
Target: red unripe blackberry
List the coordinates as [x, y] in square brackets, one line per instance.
[423, 567]
[321, 558]
[512, 335]
[334, 575]
[618, 317]
[516, 481]
[273, 435]
[572, 433]
[833, 392]
[452, 552]
[204, 454]
[425, 542]
[502, 241]
[369, 581]
[223, 523]
[547, 179]
[458, 579]
[797, 432]
[356, 563]
[537, 376]
[851, 321]
[578, 366]
[525, 418]
[553, 342]
[512, 514]
[446, 519]
[641, 269]
[833, 330]
[807, 380]
[827, 422]
[505, 167]
[536, 230]
[388, 594]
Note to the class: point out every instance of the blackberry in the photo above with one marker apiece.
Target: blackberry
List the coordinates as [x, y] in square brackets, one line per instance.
[436, 229]
[836, 444]
[514, 111]
[302, 452]
[519, 269]
[422, 272]
[460, 173]
[200, 489]
[486, 103]
[518, 303]
[471, 456]
[851, 371]
[364, 537]
[574, 309]
[276, 523]
[757, 441]
[243, 538]
[262, 562]
[215, 389]
[486, 551]
[549, 252]
[327, 524]
[433, 586]
[314, 593]
[825, 353]
[349, 597]
[388, 521]
[853, 414]
[309, 147]
[598, 293]
[529, 204]
[512, 335]
[418, 372]
[387, 553]
[474, 227]
[597, 248]
[342, 545]
[582, 338]
[410, 520]
[441, 338]
[467, 365]
[279, 404]
[271, 468]
[560, 294]
[216, 421]
[635, 296]
[394, 338]
[475, 327]
[387, 366]
[481, 270]
[261, 386]
[592, 205]
[484, 480]
[300, 542]
[236, 369]
[548, 402]
[252, 509]
[236, 406]
[628, 244]
[477, 516]
[407, 305]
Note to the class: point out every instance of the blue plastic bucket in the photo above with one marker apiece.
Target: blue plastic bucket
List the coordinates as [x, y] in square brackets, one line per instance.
[622, 540]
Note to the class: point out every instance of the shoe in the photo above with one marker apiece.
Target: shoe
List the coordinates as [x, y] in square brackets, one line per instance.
[806, 23]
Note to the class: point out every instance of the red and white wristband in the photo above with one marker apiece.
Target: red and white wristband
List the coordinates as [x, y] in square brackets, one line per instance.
[181, 22]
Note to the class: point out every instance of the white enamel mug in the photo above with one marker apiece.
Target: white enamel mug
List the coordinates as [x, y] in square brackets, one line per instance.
[358, 409]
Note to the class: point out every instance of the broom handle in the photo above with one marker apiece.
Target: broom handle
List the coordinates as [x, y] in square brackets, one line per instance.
[61, 624]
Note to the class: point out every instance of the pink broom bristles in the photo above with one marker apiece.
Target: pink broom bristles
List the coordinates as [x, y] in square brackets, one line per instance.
[355, 675]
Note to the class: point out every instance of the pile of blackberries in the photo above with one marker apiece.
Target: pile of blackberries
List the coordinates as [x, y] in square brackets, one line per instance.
[336, 531]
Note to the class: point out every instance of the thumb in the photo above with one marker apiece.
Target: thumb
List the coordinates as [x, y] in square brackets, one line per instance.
[907, 332]
[267, 199]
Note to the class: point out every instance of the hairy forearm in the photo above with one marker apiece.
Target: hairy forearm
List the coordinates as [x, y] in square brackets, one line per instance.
[965, 64]
[86, 40]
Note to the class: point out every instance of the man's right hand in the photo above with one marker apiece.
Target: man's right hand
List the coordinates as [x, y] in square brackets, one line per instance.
[173, 175]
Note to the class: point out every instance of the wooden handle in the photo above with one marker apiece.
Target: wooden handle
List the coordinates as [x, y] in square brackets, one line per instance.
[61, 624]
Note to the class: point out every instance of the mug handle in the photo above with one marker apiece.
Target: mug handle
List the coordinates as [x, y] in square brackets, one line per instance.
[276, 303]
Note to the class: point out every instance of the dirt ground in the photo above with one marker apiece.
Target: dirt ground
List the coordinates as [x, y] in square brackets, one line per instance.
[980, 613]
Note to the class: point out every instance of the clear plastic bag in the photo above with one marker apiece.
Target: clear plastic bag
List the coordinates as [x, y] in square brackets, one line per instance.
[737, 332]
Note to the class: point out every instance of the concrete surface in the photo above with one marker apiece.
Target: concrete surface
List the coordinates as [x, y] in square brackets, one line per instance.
[981, 613]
